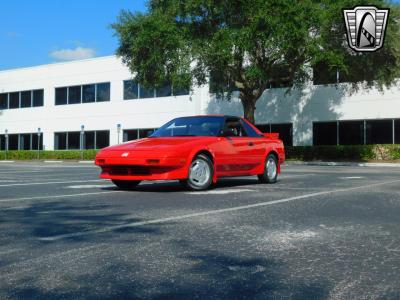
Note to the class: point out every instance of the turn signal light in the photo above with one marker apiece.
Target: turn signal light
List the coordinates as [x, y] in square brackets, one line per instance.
[153, 161]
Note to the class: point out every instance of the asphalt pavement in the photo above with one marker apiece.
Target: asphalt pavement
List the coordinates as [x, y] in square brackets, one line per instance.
[321, 232]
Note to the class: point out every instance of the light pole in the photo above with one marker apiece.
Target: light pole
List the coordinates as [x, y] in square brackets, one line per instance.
[118, 131]
[82, 139]
[38, 143]
[6, 137]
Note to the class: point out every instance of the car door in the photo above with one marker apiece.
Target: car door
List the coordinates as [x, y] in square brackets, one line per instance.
[256, 144]
[244, 149]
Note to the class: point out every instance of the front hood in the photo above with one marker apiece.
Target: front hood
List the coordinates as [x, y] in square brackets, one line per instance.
[158, 144]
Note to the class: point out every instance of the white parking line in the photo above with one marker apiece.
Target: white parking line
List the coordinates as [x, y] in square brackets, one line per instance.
[54, 197]
[48, 174]
[88, 186]
[52, 166]
[352, 177]
[49, 182]
[206, 213]
[219, 192]
[16, 172]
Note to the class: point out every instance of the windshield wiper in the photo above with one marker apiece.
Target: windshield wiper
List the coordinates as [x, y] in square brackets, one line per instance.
[184, 135]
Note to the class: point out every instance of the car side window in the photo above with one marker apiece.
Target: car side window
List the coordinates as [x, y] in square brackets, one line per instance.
[234, 127]
[249, 130]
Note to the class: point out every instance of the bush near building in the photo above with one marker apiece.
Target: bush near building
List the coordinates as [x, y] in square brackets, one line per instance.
[31, 155]
[306, 153]
[344, 153]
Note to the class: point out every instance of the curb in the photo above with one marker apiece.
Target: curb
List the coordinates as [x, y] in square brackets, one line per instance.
[341, 164]
[7, 161]
[86, 161]
[53, 161]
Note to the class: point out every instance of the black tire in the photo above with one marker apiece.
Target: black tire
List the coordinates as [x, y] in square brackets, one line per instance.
[201, 179]
[270, 174]
[126, 184]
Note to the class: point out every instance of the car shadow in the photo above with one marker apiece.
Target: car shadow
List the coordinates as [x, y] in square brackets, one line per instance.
[175, 186]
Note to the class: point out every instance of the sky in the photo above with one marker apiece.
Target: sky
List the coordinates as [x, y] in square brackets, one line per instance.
[35, 32]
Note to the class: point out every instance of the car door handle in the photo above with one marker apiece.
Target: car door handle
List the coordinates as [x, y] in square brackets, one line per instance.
[251, 144]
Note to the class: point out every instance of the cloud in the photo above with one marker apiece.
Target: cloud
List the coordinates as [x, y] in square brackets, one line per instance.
[73, 54]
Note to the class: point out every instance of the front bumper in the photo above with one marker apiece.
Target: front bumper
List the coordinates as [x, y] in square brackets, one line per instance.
[142, 168]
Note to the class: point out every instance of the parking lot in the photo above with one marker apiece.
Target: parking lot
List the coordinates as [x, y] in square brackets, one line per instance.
[320, 232]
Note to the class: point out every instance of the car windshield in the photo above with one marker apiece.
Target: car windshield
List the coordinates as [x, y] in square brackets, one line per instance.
[191, 126]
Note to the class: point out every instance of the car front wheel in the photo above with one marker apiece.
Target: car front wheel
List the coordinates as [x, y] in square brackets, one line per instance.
[201, 172]
[270, 174]
[126, 184]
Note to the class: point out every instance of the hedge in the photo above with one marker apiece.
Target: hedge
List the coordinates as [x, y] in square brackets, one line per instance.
[31, 155]
[343, 153]
[338, 153]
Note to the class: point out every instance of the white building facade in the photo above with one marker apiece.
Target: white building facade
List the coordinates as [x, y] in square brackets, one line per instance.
[99, 98]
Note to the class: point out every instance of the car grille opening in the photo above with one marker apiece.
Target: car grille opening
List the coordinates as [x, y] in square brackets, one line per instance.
[134, 170]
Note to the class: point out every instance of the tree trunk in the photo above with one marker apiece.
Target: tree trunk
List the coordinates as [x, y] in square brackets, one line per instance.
[249, 107]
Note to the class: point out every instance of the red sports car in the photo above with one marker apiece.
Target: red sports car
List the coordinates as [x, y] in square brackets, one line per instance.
[196, 151]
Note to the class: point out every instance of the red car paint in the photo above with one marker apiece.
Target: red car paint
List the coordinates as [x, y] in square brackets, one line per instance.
[169, 158]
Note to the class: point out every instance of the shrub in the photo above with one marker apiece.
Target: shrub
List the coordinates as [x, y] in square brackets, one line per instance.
[62, 155]
[342, 152]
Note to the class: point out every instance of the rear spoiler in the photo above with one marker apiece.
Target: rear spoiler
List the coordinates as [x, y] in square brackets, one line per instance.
[272, 135]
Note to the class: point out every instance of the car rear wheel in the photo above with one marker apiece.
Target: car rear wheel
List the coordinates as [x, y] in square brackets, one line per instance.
[126, 184]
[270, 174]
[201, 172]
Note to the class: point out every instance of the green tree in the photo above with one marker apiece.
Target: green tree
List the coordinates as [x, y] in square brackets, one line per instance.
[248, 45]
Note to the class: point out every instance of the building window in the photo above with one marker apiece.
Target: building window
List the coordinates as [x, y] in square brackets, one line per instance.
[72, 140]
[103, 92]
[379, 132]
[325, 133]
[25, 141]
[351, 132]
[282, 79]
[397, 131]
[26, 99]
[183, 91]
[323, 74]
[164, 91]
[35, 137]
[60, 141]
[285, 131]
[14, 100]
[38, 98]
[21, 99]
[102, 139]
[13, 142]
[61, 96]
[2, 142]
[131, 90]
[74, 94]
[89, 140]
[3, 101]
[88, 93]
[146, 93]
